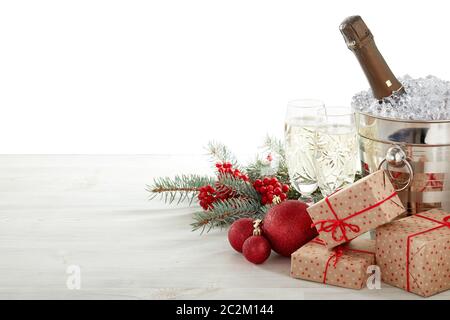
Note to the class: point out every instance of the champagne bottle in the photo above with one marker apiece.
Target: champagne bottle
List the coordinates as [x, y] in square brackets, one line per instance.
[359, 39]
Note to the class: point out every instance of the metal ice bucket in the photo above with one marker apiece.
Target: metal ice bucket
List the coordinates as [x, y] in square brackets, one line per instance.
[416, 154]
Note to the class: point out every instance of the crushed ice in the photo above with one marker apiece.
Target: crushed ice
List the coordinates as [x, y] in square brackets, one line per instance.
[426, 99]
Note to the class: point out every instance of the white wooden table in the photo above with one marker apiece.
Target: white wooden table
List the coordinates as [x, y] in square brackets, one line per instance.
[93, 212]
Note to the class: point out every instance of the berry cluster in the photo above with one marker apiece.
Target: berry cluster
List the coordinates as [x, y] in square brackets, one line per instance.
[208, 195]
[227, 168]
[271, 190]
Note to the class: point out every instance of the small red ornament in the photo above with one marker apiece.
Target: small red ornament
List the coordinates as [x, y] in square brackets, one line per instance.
[287, 226]
[240, 231]
[256, 249]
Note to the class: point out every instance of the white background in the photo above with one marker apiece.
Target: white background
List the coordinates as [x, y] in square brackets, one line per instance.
[167, 76]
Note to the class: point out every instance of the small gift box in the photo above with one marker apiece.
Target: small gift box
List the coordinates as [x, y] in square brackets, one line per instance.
[356, 209]
[413, 253]
[344, 266]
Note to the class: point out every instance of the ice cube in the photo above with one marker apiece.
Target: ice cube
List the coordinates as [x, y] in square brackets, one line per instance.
[426, 99]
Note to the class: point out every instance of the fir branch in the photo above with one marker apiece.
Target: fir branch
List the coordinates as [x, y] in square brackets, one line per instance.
[254, 169]
[275, 146]
[238, 186]
[263, 210]
[182, 187]
[283, 174]
[226, 212]
[218, 152]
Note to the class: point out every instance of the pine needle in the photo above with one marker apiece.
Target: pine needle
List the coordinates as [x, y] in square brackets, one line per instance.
[218, 152]
[225, 213]
[240, 187]
[180, 187]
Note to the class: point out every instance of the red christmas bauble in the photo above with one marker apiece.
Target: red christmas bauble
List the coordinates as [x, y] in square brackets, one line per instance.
[256, 249]
[239, 231]
[287, 226]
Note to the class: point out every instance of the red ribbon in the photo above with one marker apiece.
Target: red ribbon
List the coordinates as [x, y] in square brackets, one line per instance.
[432, 182]
[337, 253]
[332, 225]
[444, 223]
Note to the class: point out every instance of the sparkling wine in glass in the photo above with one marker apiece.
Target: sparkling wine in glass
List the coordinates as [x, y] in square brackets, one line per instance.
[336, 150]
[302, 120]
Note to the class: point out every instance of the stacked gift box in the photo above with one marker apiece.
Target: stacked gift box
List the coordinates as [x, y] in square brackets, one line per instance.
[412, 253]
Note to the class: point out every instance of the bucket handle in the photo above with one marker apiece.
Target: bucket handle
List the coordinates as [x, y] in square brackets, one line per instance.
[396, 157]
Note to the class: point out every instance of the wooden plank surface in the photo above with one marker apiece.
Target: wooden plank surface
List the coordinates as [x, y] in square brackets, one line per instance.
[93, 212]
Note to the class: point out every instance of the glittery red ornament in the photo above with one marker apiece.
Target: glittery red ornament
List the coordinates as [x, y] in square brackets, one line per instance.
[239, 231]
[287, 226]
[256, 249]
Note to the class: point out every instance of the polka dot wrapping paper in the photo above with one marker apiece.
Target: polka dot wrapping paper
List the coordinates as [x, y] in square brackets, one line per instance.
[344, 266]
[413, 253]
[356, 209]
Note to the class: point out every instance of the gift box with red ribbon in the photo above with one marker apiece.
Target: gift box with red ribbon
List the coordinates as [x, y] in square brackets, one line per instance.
[344, 266]
[413, 253]
[356, 209]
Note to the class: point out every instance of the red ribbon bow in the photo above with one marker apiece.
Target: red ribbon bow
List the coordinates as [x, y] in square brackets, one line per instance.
[444, 223]
[332, 225]
[447, 221]
[337, 253]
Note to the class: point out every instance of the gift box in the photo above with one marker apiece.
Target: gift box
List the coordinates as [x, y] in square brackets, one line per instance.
[413, 253]
[344, 266]
[356, 209]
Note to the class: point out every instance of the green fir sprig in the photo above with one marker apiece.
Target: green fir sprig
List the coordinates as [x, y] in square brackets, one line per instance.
[218, 152]
[226, 212]
[180, 188]
[260, 166]
[242, 199]
[239, 187]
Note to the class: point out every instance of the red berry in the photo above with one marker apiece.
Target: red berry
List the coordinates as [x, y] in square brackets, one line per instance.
[239, 231]
[256, 249]
[207, 196]
[277, 191]
[270, 197]
[257, 183]
[266, 181]
[269, 188]
[283, 196]
[263, 189]
[264, 200]
[273, 181]
[285, 188]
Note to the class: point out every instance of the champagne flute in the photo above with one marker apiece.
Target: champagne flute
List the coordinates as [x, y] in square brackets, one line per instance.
[302, 119]
[336, 150]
